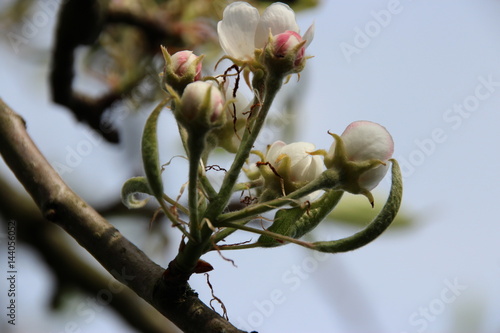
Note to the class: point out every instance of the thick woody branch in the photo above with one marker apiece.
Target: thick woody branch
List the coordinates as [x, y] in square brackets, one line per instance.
[128, 264]
[68, 266]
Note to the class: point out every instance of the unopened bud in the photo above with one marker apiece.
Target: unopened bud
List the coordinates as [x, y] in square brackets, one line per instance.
[361, 153]
[181, 69]
[201, 106]
[286, 45]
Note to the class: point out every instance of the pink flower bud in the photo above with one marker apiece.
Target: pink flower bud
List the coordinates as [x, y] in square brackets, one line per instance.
[180, 69]
[183, 62]
[287, 43]
[284, 53]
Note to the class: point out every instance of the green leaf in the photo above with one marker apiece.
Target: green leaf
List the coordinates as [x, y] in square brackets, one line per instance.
[150, 157]
[377, 226]
[298, 221]
[133, 186]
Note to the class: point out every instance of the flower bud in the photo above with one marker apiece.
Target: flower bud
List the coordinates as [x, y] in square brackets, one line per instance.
[184, 63]
[284, 52]
[181, 69]
[289, 44]
[201, 107]
[290, 167]
[361, 154]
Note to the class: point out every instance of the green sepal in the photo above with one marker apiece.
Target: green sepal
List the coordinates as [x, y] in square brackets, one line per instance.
[133, 186]
[377, 226]
[150, 156]
[298, 221]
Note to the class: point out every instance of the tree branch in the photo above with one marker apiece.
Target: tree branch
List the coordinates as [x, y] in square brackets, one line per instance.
[171, 296]
[81, 23]
[69, 268]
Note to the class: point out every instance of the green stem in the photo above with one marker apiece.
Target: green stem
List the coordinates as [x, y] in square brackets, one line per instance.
[328, 179]
[267, 233]
[209, 190]
[227, 231]
[175, 204]
[272, 86]
[187, 258]
[196, 144]
[248, 185]
[173, 218]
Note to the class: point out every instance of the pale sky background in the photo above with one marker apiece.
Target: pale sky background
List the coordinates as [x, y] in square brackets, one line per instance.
[411, 72]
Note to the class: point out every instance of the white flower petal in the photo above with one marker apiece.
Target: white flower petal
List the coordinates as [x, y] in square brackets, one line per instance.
[279, 18]
[274, 151]
[366, 140]
[371, 178]
[297, 150]
[309, 35]
[237, 30]
[310, 170]
[304, 167]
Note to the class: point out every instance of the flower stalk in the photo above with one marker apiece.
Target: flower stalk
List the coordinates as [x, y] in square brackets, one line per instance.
[196, 145]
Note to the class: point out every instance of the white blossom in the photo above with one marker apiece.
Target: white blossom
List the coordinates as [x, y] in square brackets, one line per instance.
[242, 29]
[294, 164]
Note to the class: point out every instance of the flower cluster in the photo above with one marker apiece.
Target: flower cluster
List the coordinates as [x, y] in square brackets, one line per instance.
[299, 182]
[296, 182]
[271, 41]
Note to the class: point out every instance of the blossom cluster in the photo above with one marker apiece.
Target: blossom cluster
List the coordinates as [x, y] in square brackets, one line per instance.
[272, 43]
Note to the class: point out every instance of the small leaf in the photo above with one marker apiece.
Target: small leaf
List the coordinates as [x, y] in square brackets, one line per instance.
[298, 221]
[150, 157]
[130, 188]
[377, 226]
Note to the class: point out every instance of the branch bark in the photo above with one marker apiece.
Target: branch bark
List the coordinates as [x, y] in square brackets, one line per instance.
[70, 269]
[58, 203]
